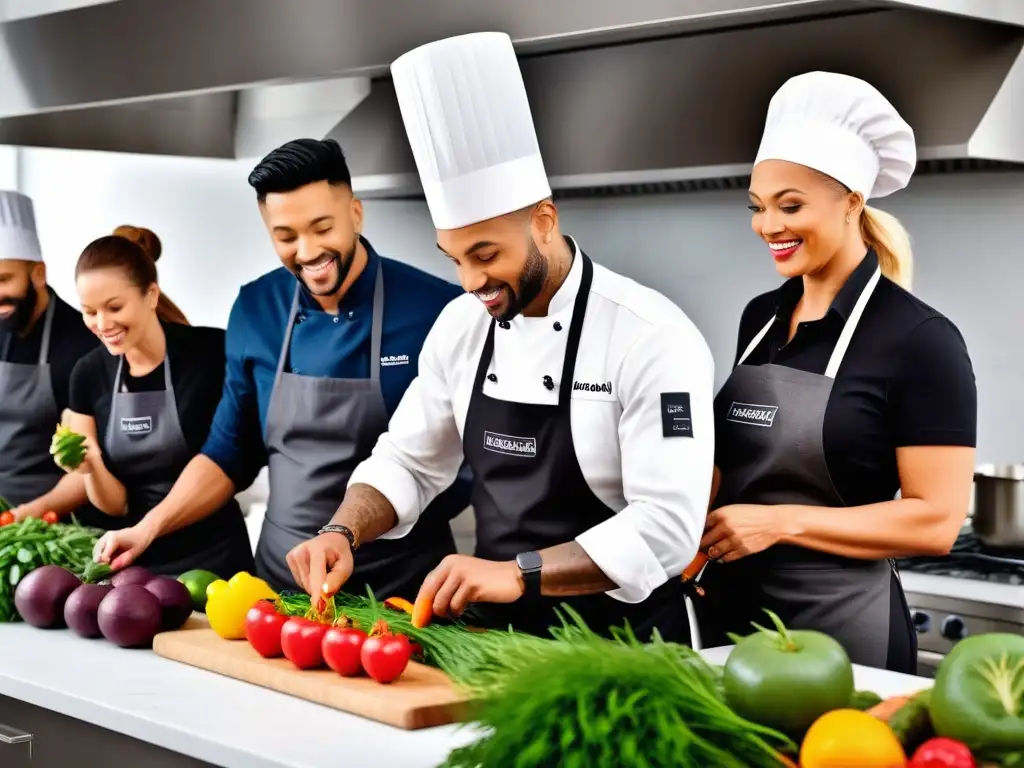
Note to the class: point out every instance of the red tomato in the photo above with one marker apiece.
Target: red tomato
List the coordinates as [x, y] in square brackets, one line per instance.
[301, 641]
[6, 518]
[263, 629]
[341, 648]
[50, 517]
[942, 753]
[385, 657]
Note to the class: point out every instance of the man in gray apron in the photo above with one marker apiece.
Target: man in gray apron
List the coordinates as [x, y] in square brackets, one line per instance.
[33, 381]
[319, 353]
[317, 431]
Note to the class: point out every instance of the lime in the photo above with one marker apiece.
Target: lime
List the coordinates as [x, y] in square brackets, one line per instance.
[196, 582]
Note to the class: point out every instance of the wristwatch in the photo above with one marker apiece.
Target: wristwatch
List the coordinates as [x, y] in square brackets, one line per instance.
[530, 565]
[345, 531]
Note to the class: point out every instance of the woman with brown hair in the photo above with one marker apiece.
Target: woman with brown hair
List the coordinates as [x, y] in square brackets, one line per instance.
[147, 240]
[145, 403]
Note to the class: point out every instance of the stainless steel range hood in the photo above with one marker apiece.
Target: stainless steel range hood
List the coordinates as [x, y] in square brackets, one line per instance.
[650, 94]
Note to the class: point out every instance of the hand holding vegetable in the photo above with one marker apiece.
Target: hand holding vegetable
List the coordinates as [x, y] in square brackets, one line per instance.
[460, 580]
[121, 548]
[321, 565]
[71, 450]
[739, 530]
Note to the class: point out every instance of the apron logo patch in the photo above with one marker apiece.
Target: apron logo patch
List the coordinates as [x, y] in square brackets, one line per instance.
[676, 419]
[387, 360]
[752, 415]
[590, 386]
[139, 425]
[510, 445]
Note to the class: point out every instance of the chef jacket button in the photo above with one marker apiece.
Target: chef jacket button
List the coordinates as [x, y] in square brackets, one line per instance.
[351, 314]
[558, 326]
[492, 377]
[505, 324]
[335, 319]
[548, 382]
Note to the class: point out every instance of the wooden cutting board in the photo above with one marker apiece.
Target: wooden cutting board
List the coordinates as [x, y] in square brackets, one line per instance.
[422, 697]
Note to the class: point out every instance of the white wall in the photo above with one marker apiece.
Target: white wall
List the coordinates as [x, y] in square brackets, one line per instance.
[698, 249]
[8, 168]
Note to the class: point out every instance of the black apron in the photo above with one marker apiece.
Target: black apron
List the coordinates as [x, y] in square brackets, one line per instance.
[28, 418]
[530, 493]
[768, 423]
[318, 430]
[145, 442]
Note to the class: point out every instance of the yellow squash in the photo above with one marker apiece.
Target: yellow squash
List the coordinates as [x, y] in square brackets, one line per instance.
[227, 603]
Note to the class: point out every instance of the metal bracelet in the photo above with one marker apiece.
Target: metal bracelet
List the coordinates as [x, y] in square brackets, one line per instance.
[345, 531]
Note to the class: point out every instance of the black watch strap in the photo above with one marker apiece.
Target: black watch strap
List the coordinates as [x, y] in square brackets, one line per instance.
[530, 566]
[345, 531]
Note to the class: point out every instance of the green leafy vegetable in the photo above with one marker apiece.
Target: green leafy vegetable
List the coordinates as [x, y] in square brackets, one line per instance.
[31, 543]
[589, 701]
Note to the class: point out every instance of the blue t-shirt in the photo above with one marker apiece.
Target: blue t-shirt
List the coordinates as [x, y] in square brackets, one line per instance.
[336, 346]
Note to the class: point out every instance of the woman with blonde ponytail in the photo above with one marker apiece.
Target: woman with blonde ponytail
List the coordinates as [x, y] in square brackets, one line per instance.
[883, 233]
[847, 390]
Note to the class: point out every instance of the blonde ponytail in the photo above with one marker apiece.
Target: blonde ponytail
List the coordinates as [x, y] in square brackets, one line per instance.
[883, 232]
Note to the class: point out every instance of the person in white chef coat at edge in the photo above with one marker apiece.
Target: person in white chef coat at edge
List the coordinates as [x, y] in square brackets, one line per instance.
[847, 389]
[581, 399]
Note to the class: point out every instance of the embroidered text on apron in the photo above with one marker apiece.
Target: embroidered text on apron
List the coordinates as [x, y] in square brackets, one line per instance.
[529, 493]
[318, 431]
[768, 421]
[145, 443]
[28, 416]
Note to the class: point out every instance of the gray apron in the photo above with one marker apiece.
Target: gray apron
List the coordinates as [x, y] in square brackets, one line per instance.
[28, 418]
[318, 430]
[768, 421]
[148, 451]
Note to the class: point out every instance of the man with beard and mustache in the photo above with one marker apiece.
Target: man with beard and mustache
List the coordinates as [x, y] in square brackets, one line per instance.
[581, 400]
[319, 354]
[41, 339]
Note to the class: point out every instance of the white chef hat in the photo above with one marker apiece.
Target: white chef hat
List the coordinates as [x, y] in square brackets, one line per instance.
[469, 124]
[843, 127]
[18, 238]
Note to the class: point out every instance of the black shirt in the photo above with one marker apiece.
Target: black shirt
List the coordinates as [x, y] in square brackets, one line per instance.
[906, 379]
[197, 373]
[70, 340]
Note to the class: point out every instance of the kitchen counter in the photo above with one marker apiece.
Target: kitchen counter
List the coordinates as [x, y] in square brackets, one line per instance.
[198, 714]
[991, 593]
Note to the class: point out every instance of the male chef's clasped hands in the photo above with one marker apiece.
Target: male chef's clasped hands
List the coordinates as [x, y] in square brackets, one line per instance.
[574, 408]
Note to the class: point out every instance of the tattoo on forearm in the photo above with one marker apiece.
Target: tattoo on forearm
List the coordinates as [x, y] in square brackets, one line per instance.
[366, 512]
[569, 571]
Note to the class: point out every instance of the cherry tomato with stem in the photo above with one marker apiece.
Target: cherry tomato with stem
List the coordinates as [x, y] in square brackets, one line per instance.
[342, 649]
[263, 625]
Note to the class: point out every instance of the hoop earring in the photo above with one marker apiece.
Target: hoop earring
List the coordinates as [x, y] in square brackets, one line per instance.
[847, 218]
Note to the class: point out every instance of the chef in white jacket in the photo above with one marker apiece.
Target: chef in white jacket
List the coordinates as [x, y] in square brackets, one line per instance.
[581, 399]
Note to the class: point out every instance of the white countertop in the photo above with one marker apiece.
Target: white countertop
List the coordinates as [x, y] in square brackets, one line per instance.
[197, 713]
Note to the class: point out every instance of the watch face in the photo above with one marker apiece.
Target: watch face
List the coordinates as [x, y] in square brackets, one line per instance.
[529, 561]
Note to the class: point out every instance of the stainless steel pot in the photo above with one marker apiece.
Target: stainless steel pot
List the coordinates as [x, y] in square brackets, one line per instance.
[999, 505]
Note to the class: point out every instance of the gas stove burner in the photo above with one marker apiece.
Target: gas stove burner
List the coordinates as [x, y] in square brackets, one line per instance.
[969, 559]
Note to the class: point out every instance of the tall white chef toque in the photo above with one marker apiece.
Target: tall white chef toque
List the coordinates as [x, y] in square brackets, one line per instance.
[469, 124]
[18, 237]
[843, 127]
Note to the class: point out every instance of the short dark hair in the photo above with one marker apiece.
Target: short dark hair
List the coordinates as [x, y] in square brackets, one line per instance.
[298, 163]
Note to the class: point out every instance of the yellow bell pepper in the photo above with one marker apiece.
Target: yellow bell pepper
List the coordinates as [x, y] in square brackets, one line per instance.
[227, 603]
[849, 738]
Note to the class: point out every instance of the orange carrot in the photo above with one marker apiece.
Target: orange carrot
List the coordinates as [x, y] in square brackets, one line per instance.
[422, 613]
[399, 604]
[889, 707]
[694, 568]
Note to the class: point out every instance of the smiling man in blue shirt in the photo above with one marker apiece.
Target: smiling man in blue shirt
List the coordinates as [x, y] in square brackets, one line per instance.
[320, 352]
